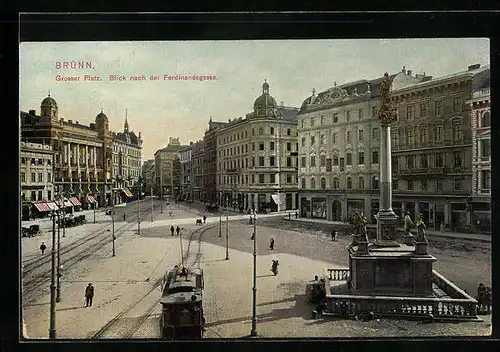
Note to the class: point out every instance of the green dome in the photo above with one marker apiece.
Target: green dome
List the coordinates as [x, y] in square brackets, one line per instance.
[265, 101]
[49, 102]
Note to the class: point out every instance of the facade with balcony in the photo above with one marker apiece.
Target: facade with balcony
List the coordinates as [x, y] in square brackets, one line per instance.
[185, 172]
[148, 170]
[480, 107]
[197, 170]
[257, 158]
[167, 169]
[82, 165]
[432, 149]
[209, 191]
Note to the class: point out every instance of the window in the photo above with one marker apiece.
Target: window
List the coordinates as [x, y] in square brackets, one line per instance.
[271, 130]
[395, 185]
[335, 183]
[302, 123]
[395, 138]
[458, 185]
[424, 109]
[438, 107]
[261, 130]
[375, 133]
[49, 195]
[313, 183]
[261, 178]
[288, 162]
[261, 161]
[23, 177]
[40, 195]
[323, 183]
[335, 117]
[424, 164]
[322, 120]
[485, 148]
[485, 179]
[348, 115]
[348, 159]
[423, 134]
[271, 161]
[424, 185]
[409, 137]
[360, 135]
[271, 146]
[374, 111]
[409, 112]
[303, 141]
[341, 164]
[439, 185]
[375, 182]
[33, 177]
[395, 163]
[323, 139]
[348, 137]
[457, 159]
[261, 146]
[253, 178]
[289, 147]
[334, 138]
[33, 195]
[410, 185]
[438, 133]
[410, 162]
[272, 178]
[375, 157]
[288, 178]
[335, 160]
[33, 161]
[303, 183]
[361, 182]
[313, 140]
[322, 160]
[303, 161]
[23, 160]
[313, 161]
[349, 182]
[49, 177]
[312, 121]
[457, 131]
[486, 120]
[360, 114]
[438, 160]
[457, 104]
[361, 158]
[288, 132]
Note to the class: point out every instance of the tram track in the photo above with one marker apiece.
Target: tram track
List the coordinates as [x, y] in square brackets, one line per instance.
[119, 327]
[37, 273]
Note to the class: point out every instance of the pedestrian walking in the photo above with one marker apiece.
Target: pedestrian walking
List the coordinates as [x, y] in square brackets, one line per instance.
[170, 213]
[178, 230]
[334, 235]
[408, 223]
[172, 229]
[124, 216]
[271, 244]
[204, 219]
[89, 295]
[43, 247]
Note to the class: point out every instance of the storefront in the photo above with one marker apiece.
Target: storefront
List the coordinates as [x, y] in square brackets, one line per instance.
[481, 216]
[318, 208]
[336, 210]
[305, 207]
[355, 206]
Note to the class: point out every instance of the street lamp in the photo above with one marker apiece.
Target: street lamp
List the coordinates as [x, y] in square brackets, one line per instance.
[52, 328]
[220, 222]
[227, 238]
[138, 212]
[253, 332]
[113, 225]
[151, 195]
[182, 252]
[58, 294]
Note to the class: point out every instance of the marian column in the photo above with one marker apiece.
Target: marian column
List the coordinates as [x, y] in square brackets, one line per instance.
[386, 218]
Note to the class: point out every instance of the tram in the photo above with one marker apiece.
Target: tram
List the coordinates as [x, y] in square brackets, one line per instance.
[182, 304]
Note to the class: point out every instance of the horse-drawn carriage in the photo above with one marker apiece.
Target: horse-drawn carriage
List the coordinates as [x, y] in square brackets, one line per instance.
[31, 231]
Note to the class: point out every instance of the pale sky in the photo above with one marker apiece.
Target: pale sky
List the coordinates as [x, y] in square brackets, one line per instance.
[162, 109]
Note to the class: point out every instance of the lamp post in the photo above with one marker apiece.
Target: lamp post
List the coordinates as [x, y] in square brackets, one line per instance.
[139, 212]
[94, 211]
[152, 216]
[227, 238]
[182, 252]
[253, 332]
[58, 290]
[52, 328]
[113, 225]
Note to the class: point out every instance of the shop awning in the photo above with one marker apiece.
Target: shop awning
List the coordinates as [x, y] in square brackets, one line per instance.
[127, 192]
[67, 203]
[75, 202]
[91, 199]
[52, 206]
[42, 207]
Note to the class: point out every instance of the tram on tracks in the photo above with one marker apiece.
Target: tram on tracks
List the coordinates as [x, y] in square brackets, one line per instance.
[182, 304]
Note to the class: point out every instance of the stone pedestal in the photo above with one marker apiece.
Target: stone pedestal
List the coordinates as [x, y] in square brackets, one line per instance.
[391, 272]
[409, 239]
[386, 229]
[421, 248]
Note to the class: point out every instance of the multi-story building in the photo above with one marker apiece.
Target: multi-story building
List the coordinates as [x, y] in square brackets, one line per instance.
[36, 170]
[257, 157]
[185, 174]
[127, 155]
[480, 107]
[210, 161]
[148, 170]
[167, 164]
[197, 170]
[339, 140]
[432, 149]
[82, 168]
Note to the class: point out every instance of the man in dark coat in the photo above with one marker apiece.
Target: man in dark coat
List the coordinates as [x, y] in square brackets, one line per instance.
[334, 235]
[43, 247]
[204, 219]
[172, 229]
[271, 244]
[178, 230]
[89, 295]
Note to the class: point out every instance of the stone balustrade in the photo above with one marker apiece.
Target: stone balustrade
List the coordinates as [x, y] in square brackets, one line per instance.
[338, 274]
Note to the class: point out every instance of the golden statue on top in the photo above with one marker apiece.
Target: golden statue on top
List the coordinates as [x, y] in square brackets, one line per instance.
[386, 113]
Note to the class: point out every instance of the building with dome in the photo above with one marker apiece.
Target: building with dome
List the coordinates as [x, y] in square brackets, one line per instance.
[126, 163]
[257, 157]
[82, 160]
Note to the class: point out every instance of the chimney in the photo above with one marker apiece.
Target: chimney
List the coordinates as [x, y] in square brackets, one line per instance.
[473, 67]
[409, 72]
[32, 112]
[92, 126]
[76, 122]
[70, 121]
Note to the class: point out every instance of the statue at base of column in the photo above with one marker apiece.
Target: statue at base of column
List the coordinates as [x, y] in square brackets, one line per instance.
[421, 242]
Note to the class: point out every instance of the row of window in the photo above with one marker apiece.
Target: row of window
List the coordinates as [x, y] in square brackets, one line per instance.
[127, 151]
[37, 161]
[256, 161]
[335, 138]
[126, 161]
[244, 149]
[437, 160]
[34, 178]
[244, 134]
[243, 179]
[437, 133]
[334, 117]
[33, 195]
[336, 161]
[126, 172]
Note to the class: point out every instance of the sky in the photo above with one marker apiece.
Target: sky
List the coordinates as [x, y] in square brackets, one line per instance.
[165, 108]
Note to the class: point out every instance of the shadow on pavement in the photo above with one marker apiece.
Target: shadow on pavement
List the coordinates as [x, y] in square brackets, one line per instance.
[70, 308]
[268, 275]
